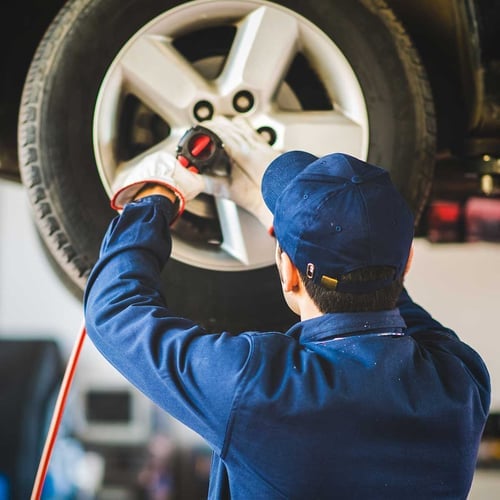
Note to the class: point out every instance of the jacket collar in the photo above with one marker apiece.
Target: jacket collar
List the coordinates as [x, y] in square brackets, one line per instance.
[334, 325]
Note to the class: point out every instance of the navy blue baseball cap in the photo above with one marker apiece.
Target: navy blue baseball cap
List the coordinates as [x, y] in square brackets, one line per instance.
[337, 214]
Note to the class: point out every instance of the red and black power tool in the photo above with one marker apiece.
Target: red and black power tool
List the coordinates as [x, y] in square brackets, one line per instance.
[202, 151]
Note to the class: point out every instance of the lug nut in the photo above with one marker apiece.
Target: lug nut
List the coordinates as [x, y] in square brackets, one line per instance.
[243, 101]
[203, 110]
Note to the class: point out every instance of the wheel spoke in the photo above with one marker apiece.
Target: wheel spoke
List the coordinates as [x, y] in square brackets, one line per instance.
[263, 49]
[321, 132]
[244, 238]
[160, 77]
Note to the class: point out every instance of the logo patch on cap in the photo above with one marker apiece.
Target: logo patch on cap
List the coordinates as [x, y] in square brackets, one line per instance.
[310, 270]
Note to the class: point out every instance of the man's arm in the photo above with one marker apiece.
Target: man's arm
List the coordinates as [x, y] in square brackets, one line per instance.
[434, 336]
[191, 374]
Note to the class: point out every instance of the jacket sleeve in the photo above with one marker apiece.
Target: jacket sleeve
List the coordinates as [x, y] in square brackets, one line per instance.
[190, 373]
[436, 338]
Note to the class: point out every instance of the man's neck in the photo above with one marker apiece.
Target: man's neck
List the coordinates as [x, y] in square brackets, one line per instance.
[308, 309]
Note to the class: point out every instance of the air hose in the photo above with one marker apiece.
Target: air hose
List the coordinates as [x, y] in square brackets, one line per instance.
[57, 415]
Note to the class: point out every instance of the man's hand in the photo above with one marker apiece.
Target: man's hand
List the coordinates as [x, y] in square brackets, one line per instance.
[250, 156]
[159, 168]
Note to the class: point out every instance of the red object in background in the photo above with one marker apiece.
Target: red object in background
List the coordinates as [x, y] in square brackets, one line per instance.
[482, 219]
[445, 222]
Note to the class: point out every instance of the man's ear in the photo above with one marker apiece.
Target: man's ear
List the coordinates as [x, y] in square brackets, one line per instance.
[289, 273]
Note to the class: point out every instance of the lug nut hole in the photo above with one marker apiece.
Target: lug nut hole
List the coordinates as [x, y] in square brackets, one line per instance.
[203, 110]
[268, 134]
[243, 101]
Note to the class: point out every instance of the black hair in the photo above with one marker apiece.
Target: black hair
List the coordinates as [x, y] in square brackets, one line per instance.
[331, 301]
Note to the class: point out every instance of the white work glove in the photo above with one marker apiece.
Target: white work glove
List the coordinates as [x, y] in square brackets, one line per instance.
[157, 168]
[250, 156]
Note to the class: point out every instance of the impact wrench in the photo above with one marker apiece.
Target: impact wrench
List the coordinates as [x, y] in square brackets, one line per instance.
[199, 150]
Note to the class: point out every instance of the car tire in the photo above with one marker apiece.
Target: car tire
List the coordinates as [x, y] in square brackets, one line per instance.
[71, 205]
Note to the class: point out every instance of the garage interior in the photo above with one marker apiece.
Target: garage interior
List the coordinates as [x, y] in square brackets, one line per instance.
[113, 443]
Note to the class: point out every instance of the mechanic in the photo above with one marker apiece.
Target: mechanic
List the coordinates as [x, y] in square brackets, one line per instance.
[367, 396]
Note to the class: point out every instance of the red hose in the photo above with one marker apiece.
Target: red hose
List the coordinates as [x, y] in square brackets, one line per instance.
[43, 466]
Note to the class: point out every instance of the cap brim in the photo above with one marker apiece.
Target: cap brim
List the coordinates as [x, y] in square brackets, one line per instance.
[280, 172]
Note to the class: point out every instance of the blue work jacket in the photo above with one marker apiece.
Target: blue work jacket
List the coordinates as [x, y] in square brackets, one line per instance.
[381, 405]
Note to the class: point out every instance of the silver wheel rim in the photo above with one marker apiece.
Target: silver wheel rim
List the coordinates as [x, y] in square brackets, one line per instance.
[267, 39]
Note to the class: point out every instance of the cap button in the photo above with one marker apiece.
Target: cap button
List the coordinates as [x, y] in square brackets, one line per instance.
[356, 179]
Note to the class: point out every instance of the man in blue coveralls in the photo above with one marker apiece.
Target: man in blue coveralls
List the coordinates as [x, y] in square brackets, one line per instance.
[367, 397]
